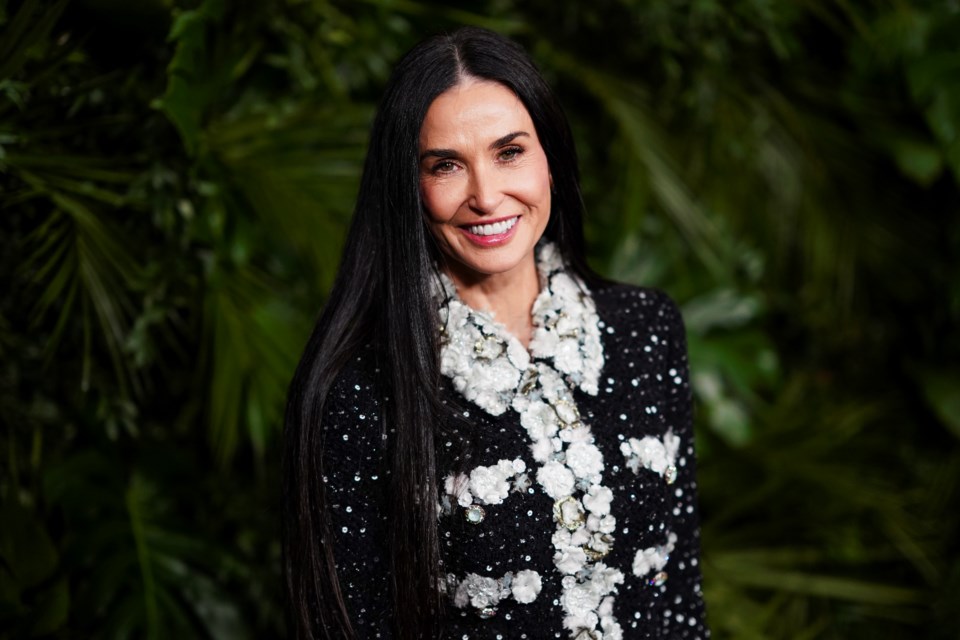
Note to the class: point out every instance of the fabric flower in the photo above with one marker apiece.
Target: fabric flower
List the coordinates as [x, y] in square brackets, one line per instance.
[556, 479]
[577, 434]
[579, 537]
[606, 607]
[570, 560]
[526, 586]
[567, 355]
[505, 467]
[611, 629]
[489, 484]
[550, 257]
[605, 579]
[543, 343]
[584, 459]
[580, 603]
[458, 487]
[563, 285]
[671, 443]
[540, 420]
[482, 591]
[561, 538]
[600, 543]
[541, 450]
[607, 524]
[653, 558]
[651, 453]
[519, 357]
[598, 499]
[644, 561]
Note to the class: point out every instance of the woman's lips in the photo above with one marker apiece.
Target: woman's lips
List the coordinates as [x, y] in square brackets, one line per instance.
[492, 232]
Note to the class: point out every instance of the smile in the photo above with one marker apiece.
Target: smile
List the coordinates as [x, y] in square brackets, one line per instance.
[493, 228]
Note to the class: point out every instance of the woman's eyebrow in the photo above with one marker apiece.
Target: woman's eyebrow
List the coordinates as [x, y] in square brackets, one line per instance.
[499, 142]
[453, 153]
[439, 153]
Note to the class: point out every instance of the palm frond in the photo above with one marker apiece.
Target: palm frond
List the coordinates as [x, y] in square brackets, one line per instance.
[255, 340]
[77, 253]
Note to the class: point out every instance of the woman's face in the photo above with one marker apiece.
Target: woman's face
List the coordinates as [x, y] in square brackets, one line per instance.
[484, 180]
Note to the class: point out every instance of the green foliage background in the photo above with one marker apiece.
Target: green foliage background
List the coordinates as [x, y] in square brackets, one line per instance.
[176, 180]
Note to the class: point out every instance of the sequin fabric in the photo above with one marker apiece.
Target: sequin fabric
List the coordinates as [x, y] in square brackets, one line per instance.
[574, 519]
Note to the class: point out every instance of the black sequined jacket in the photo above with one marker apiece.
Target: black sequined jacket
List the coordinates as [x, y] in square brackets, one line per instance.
[643, 392]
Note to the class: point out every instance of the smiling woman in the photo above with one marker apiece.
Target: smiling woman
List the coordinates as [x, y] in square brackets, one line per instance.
[487, 196]
[484, 439]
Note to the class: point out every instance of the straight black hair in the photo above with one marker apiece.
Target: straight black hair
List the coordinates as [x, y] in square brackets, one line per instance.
[381, 298]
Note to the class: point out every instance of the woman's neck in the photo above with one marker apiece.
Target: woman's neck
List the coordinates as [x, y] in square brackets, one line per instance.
[509, 296]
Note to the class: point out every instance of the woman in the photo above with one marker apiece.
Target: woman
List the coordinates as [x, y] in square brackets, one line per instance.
[448, 474]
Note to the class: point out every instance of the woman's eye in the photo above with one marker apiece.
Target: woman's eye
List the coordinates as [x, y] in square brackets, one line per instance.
[510, 153]
[444, 166]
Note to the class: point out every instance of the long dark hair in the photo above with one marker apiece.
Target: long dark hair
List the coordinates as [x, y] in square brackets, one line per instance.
[381, 297]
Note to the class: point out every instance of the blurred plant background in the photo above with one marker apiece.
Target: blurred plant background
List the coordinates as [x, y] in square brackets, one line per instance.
[176, 180]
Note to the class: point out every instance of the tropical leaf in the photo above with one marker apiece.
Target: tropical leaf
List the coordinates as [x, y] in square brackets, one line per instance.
[25, 33]
[629, 107]
[177, 179]
[298, 173]
[940, 390]
[77, 259]
[141, 577]
[255, 340]
[193, 82]
[33, 602]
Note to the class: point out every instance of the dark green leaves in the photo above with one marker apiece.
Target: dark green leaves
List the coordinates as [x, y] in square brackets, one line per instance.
[176, 183]
[195, 79]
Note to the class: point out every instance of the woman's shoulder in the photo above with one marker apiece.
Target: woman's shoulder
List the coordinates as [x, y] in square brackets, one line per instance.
[354, 404]
[359, 375]
[619, 304]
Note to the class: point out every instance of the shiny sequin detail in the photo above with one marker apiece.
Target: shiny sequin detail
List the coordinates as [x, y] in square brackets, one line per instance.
[658, 580]
[670, 474]
[475, 514]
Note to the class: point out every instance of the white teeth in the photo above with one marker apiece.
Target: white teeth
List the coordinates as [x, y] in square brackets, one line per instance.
[492, 229]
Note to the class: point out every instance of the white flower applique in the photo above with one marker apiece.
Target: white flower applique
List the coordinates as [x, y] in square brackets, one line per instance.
[659, 456]
[484, 593]
[484, 485]
[655, 559]
[483, 367]
[491, 369]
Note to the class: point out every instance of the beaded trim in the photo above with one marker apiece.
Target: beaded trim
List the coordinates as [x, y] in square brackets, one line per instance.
[492, 369]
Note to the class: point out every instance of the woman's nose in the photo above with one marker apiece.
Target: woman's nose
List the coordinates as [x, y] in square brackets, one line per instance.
[486, 192]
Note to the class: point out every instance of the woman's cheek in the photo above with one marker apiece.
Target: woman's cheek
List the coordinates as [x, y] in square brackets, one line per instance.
[428, 199]
[440, 201]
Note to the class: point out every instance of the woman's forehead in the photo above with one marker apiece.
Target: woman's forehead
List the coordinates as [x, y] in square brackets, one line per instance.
[472, 109]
